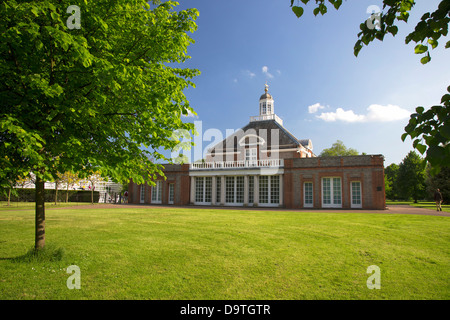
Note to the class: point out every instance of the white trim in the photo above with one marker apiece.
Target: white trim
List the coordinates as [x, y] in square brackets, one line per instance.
[171, 186]
[308, 205]
[142, 194]
[332, 200]
[352, 205]
[158, 189]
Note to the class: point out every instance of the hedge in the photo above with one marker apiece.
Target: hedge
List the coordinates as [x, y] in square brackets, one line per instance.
[29, 195]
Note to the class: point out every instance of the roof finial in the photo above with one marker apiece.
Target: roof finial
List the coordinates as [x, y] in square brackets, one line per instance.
[266, 87]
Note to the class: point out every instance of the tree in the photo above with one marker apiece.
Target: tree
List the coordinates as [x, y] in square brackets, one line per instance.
[338, 149]
[439, 181]
[69, 179]
[97, 86]
[93, 179]
[411, 177]
[429, 130]
[390, 181]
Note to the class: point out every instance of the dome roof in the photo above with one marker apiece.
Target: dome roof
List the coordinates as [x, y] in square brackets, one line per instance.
[266, 96]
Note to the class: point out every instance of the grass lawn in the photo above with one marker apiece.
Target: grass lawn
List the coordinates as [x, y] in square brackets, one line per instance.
[161, 253]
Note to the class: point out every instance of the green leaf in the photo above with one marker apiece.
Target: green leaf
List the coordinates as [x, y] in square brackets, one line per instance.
[420, 110]
[298, 11]
[316, 11]
[420, 48]
[425, 59]
[421, 148]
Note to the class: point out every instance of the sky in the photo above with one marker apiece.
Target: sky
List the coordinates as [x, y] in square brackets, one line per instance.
[321, 90]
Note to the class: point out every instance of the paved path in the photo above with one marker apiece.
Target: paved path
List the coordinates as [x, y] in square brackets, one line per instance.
[394, 209]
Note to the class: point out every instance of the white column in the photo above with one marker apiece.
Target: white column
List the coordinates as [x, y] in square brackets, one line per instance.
[192, 190]
[222, 190]
[213, 191]
[245, 190]
[256, 191]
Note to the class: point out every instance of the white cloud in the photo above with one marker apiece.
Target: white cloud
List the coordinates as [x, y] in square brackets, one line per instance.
[265, 70]
[315, 107]
[375, 113]
[249, 74]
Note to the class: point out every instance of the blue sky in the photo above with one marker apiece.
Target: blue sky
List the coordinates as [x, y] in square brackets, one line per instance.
[321, 90]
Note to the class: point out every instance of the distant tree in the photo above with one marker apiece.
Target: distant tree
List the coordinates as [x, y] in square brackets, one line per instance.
[338, 149]
[390, 181]
[430, 129]
[411, 177]
[439, 181]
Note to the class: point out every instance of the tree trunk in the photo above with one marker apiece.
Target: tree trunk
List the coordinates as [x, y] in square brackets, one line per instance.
[67, 193]
[92, 193]
[9, 196]
[39, 240]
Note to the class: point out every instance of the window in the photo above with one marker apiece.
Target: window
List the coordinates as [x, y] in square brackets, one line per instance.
[142, 194]
[156, 192]
[264, 110]
[269, 108]
[234, 189]
[263, 189]
[171, 192]
[229, 189]
[274, 189]
[269, 190]
[251, 157]
[251, 189]
[218, 190]
[356, 194]
[308, 194]
[331, 192]
[203, 189]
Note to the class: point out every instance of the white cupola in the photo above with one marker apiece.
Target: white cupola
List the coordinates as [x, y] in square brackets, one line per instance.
[266, 106]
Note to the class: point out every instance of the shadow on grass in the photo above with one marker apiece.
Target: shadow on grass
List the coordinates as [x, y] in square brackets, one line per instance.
[47, 254]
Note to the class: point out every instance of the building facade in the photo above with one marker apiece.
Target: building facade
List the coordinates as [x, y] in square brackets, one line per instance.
[264, 165]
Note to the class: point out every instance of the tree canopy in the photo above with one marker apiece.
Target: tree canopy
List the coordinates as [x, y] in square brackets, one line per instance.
[338, 149]
[94, 87]
[429, 130]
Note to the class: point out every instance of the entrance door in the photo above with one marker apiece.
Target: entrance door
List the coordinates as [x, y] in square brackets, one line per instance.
[355, 190]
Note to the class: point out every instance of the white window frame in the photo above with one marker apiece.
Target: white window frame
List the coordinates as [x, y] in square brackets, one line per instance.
[142, 194]
[232, 193]
[156, 192]
[266, 194]
[305, 204]
[352, 203]
[171, 193]
[334, 201]
[251, 157]
[205, 190]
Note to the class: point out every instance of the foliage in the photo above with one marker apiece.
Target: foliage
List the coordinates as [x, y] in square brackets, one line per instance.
[103, 97]
[390, 181]
[439, 181]
[411, 177]
[338, 149]
[429, 130]
[100, 96]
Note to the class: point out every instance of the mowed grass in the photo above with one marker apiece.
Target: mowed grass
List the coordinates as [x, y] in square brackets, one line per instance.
[175, 253]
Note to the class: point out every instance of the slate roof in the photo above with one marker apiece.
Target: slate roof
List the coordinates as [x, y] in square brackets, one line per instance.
[263, 129]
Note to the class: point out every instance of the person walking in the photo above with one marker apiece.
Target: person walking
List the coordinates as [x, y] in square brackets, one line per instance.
[438, 199]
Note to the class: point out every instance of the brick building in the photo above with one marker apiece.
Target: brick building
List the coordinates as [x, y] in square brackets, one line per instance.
[264, 165]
